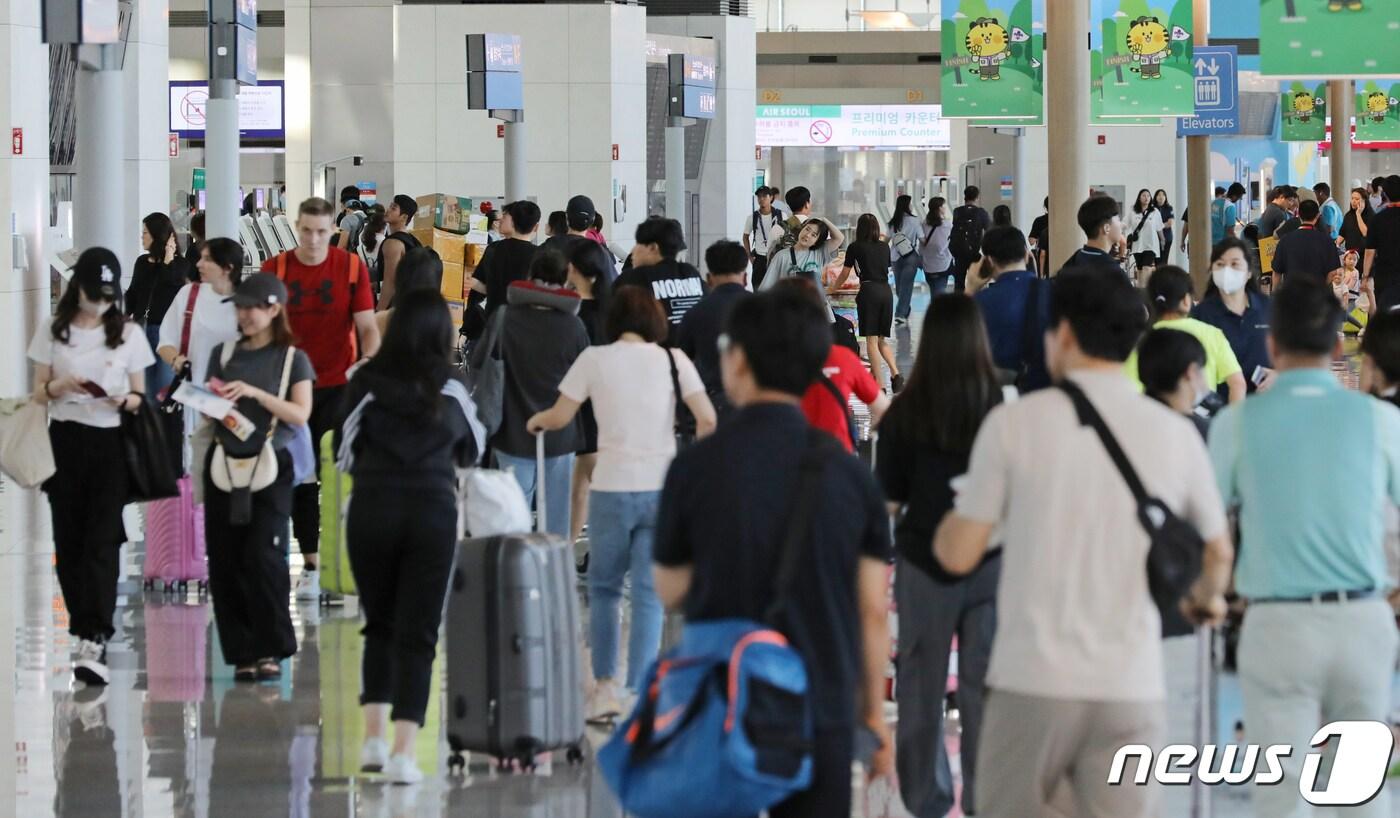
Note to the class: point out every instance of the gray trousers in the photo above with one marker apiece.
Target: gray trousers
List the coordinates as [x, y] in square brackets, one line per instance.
[1049, 758]
[930, 613]
[1303, 665]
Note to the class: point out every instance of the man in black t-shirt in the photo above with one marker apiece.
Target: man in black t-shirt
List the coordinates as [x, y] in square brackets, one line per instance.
[508, 260]
[970, 222]
[578, 215]
[721, 526]
[700, 329]
[1040, 235]
[676, 284]
[1382, 266]
[1102, 222]
[1307, 251]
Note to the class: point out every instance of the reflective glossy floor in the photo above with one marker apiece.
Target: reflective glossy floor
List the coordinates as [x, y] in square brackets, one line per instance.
[174, 737]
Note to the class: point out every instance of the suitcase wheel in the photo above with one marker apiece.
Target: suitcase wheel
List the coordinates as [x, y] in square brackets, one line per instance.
[202, 587]
[575, 754]
[148, 585]
[169, 587]
[456, 764]
[183, 586]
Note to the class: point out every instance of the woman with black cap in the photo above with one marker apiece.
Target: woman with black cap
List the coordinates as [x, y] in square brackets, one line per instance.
[248, 479]
[90, 364]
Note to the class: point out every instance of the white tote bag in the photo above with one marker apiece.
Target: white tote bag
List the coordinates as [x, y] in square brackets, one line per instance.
[26, 456]
[493, 504]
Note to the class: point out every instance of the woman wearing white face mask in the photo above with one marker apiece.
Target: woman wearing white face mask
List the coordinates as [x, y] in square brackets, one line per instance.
[89, 365]
[1234, 305]
[1169, 291]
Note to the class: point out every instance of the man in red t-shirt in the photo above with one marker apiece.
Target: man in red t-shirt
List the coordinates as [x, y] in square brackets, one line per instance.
[844, 371]
[330, 303]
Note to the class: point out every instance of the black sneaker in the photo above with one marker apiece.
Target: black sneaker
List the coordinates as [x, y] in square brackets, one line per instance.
[91, 664]
[896, 383]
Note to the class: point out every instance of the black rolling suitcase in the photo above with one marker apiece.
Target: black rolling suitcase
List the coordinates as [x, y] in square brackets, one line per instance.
[514, 679]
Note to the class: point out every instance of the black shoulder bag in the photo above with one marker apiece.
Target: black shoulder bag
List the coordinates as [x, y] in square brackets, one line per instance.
[845, 405]
[684, 422]
[1174, 558]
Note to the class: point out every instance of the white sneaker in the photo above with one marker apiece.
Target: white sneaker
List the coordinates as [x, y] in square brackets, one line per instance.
[91, 664]
[603, 705]
[402, 769]
[374, 755]
[308, 585]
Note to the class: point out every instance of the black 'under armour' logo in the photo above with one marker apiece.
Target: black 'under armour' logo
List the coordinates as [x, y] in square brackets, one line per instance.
[297, 290]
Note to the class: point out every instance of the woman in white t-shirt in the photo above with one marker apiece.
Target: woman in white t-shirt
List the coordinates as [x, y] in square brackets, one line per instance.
[201, 311]
[634, 384]
[1145, 227]
[90, 364]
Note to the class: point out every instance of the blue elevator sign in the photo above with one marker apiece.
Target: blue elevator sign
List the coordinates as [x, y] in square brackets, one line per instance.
[1217, 93]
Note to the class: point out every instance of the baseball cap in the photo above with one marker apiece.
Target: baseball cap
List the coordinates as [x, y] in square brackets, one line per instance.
[259, 290]
[580, 213]
[98, 274]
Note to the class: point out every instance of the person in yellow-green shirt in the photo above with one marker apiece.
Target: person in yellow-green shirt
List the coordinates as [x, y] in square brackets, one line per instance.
[1169, 290]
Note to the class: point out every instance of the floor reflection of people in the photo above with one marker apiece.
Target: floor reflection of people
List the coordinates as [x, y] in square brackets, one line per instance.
[85, 756]
[253, 757]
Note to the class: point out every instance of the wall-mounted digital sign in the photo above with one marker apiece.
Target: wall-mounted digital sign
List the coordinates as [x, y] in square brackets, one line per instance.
[261, 110]
[853, 126]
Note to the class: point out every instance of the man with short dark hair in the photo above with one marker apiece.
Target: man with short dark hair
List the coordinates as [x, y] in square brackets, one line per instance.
[399, 219]
[1307, 251]
[1382, 264]
[330, 306]
[970, 223]
[1319, 640]
[579, 214]
[676, 284]
[799, 202]
[699, 331]
[726, 508]
[1102, 222]
[508, 260]
[763, 228]
[1013, 308]
[1277, 211]
[1073, 598]
[1331, 211]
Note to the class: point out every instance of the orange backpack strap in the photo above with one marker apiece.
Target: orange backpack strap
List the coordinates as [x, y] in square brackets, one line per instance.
[281, 266]
[355, 265]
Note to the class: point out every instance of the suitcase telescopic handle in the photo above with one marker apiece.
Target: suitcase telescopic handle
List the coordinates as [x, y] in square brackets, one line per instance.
[539, 484]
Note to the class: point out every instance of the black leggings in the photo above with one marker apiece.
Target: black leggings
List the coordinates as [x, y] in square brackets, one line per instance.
[248, 577]
[86, 496]
[306, 503]
[401, 543]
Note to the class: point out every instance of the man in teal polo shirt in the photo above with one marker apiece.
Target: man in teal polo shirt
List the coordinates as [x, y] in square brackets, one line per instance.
[1319, 640]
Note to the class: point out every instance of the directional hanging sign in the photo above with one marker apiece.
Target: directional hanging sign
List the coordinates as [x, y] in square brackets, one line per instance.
[1217, 93]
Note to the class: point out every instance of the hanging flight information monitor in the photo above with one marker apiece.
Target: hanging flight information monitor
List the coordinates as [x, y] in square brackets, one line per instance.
[494, 78]
[692, 79]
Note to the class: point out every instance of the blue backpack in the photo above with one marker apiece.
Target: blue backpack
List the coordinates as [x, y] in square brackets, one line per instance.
[724, 727]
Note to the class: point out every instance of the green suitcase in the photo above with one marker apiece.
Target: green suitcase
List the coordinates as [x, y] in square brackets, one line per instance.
[336, 578]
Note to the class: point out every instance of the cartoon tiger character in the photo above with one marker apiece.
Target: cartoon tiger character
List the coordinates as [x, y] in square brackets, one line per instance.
[989, 44]
[1304, 103]
[1148, 42]
[1377, 106]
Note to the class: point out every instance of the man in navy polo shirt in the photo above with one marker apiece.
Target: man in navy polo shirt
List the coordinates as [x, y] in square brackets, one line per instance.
[1016, 336]
[1309, 250]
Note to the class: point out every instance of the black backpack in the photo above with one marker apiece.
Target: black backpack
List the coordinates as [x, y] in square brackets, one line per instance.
[410, 242]
[965, 241]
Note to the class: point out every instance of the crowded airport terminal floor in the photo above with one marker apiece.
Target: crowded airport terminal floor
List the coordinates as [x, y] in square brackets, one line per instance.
[700, 408]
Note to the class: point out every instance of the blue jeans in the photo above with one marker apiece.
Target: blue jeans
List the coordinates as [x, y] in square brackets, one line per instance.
[158, 374]
[558, 479]
[905, 271]
[621, 527]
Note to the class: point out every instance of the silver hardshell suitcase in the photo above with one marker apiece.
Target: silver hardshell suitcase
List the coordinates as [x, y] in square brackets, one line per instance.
[514, 679]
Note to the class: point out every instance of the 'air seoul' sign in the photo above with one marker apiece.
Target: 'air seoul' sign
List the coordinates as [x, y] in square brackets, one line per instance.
[853, 126]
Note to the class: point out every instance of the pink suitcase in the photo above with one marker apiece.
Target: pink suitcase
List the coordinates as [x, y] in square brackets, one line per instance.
[175, 542]
[177, 639]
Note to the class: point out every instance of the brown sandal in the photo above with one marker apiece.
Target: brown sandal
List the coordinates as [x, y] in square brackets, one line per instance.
[269, 670]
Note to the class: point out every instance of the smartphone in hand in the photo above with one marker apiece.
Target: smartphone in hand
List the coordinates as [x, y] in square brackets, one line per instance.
[216, 385]
[94, 389]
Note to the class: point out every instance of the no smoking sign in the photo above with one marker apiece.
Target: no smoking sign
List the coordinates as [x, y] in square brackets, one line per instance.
[192, 107]
[820, 132]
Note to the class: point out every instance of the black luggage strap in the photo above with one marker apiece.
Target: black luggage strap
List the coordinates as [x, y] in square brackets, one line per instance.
[1089, 416]
[845, 408]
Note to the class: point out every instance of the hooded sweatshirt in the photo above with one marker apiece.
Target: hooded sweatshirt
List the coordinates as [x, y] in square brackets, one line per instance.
[393, 436]
[540, 339]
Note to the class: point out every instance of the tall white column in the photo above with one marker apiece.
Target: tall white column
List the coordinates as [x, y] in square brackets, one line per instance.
[99, 189]
[221, 160]
[146, 111]
[1067, 117]
[517, 185]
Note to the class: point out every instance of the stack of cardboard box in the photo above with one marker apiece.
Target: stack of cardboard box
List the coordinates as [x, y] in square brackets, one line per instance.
[449, 225]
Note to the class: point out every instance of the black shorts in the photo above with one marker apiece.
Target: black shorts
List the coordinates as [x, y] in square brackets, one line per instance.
[875, 309]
